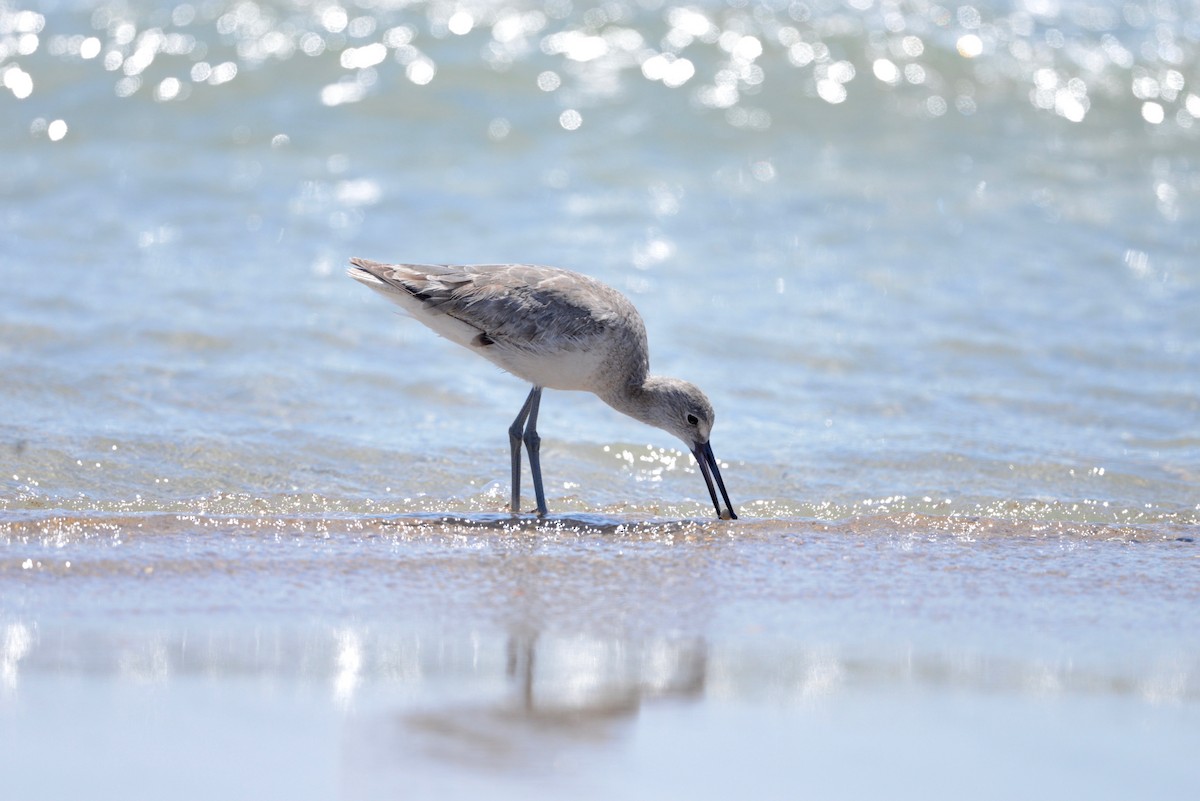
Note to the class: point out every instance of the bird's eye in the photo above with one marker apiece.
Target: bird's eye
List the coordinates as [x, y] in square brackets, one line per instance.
[693, 420]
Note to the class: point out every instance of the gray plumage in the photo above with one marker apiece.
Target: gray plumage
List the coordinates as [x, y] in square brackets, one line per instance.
[557, 329]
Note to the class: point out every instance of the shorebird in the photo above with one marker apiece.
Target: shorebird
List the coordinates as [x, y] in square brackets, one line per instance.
[559, 330]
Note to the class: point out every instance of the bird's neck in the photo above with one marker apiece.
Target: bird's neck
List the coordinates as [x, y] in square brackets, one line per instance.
[637, 400]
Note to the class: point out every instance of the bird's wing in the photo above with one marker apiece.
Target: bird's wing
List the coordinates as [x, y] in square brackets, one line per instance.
[516, 305]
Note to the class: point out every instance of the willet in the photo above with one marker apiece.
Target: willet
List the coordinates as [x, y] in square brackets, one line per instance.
[556, 329]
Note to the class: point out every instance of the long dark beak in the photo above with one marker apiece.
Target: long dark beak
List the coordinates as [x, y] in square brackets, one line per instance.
[708, 466]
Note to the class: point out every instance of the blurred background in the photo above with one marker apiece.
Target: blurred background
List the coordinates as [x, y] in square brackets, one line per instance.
[908, 249]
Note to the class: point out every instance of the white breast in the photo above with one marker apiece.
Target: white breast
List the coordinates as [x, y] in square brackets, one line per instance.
[564, 369]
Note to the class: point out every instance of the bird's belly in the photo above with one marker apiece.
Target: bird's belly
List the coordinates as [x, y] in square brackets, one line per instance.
[567, 369]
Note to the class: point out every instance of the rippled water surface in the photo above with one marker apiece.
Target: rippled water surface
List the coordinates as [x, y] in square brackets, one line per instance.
[936, 265]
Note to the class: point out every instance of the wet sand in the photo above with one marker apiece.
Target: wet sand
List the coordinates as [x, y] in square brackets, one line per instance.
[596, 658]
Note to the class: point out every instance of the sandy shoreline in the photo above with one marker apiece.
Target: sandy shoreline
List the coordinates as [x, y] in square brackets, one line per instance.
[657, 663]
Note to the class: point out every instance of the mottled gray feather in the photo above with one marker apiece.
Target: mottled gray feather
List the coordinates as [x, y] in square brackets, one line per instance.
[519, 305]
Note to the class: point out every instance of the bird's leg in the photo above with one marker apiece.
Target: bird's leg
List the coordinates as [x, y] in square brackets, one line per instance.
[514, 443]
[533, 444]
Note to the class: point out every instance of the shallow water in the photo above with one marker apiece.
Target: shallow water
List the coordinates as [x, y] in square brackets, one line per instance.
[934, 265]
[363, 657]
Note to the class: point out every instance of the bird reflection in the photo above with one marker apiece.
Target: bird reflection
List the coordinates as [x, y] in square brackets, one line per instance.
[566, 693]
